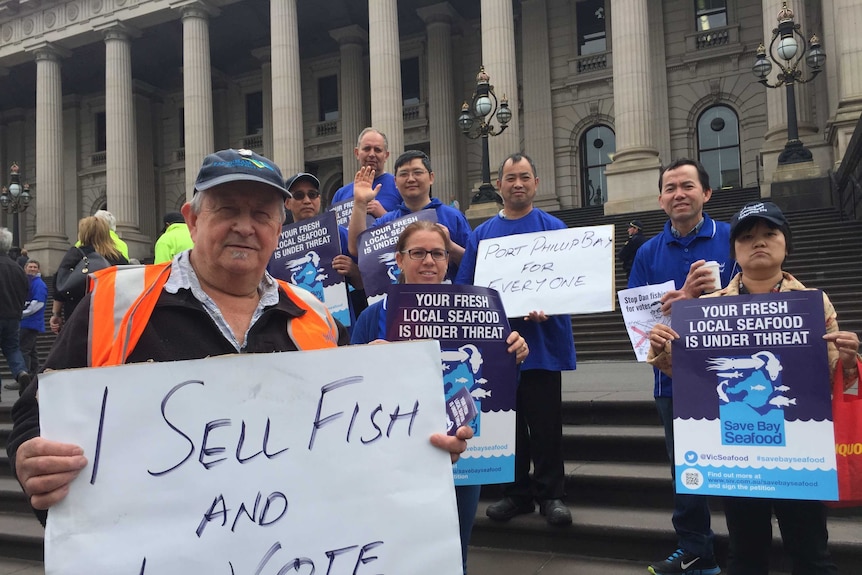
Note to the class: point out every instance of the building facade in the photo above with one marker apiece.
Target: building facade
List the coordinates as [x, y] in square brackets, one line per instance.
[113, 103]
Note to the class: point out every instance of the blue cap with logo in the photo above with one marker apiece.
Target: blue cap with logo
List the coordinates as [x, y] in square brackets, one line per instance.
[764, 210]
[239, 166]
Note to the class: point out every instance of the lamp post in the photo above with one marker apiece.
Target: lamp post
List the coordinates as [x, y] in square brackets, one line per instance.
[14, 200]
[790, 47]
[475, 122]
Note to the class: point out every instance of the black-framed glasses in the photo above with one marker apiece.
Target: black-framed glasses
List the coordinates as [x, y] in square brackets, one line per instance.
[300, 195]
[404, 174]
[419, 254]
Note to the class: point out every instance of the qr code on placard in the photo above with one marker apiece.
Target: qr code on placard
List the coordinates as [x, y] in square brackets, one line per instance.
[691, 478]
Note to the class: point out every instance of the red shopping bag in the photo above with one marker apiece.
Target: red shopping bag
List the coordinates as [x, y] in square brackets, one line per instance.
[847, 419]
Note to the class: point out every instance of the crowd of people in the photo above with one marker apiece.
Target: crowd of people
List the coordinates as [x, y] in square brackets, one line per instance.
[210, 294]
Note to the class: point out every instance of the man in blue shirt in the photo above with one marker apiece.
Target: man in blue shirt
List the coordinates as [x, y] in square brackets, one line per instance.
[538, 422]
[33, 317]
[414, 178]
[689, 239]
[371, 151]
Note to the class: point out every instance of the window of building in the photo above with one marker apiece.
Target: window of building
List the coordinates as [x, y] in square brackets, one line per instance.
[101, 132]
[327, 98]
[254, 113]
[718, 147]
[592, 29]
[410, 81]
[597, 144]
[710, 14]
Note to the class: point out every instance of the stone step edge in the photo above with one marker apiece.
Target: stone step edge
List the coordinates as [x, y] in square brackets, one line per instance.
[844, 534]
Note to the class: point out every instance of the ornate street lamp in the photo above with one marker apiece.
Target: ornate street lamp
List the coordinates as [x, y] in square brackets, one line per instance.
[475, 122]
[15, 199]
[790, 50]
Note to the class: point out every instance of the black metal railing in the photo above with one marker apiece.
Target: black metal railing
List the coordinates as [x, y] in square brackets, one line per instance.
[847, 179]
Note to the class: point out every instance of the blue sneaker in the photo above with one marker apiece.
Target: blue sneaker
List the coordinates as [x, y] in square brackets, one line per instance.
[684, 563]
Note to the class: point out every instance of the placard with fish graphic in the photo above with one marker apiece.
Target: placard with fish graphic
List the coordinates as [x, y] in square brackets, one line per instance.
[752, 408]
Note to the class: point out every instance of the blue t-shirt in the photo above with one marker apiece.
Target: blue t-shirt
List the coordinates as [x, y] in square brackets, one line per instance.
[552, 346]
[371, 324]
[665, 257]
[459, 227]
[388, 195]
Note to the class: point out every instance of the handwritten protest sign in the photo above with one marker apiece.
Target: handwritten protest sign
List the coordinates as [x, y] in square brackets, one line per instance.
[754, 416]
[304, 258]
[255, 464]
[471, 325]
[641, 307]
[567, 271]
[377, 253]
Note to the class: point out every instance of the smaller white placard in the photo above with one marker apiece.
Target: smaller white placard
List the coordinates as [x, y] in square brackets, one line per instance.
[568, 271]
[641, 307]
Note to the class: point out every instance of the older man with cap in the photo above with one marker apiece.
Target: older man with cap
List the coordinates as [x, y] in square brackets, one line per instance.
[213, 300]
[175, 239]
[630, 248]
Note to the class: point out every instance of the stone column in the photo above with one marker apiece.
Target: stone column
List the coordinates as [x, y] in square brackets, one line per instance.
[387, 105]
[538, 109]
[265, 57]
[634, 172]
[50, 243]
[197, 90]
[288, 146]
[498, 57]
[847, 62]
[442, 109]
[353, 94]
[121, 140]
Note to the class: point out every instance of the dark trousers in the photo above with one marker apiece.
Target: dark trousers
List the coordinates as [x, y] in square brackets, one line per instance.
[538, 437]
[467, 497]
[803, 534]
[10, 347]
[691, 519]
[28, 349]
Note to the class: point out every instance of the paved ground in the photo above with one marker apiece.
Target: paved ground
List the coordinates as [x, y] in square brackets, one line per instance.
[482, 561]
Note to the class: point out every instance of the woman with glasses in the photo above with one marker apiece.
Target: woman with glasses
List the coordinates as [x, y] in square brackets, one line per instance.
[422, 255]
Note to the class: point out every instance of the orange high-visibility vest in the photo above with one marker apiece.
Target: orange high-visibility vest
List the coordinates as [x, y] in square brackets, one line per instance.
[123, 299]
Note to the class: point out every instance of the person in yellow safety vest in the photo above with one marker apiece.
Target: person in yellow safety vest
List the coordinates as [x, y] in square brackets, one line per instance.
[213, 300]
[109, 218]
[175, 239]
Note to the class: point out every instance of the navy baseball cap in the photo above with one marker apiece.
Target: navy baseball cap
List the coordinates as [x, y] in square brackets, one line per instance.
[302, 176]
[636, 224]
[239, 166]
[763, 210]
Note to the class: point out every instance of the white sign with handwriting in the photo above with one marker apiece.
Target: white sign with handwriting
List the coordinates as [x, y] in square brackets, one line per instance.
[556, 271]
[257, 464]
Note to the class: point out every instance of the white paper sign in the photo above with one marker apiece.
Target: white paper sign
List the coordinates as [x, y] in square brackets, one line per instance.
[641, 311]
[258, 464]
[556, 271]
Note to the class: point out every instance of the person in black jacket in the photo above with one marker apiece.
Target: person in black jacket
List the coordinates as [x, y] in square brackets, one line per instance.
[94, 236]
[630, 248]
[14, 287]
